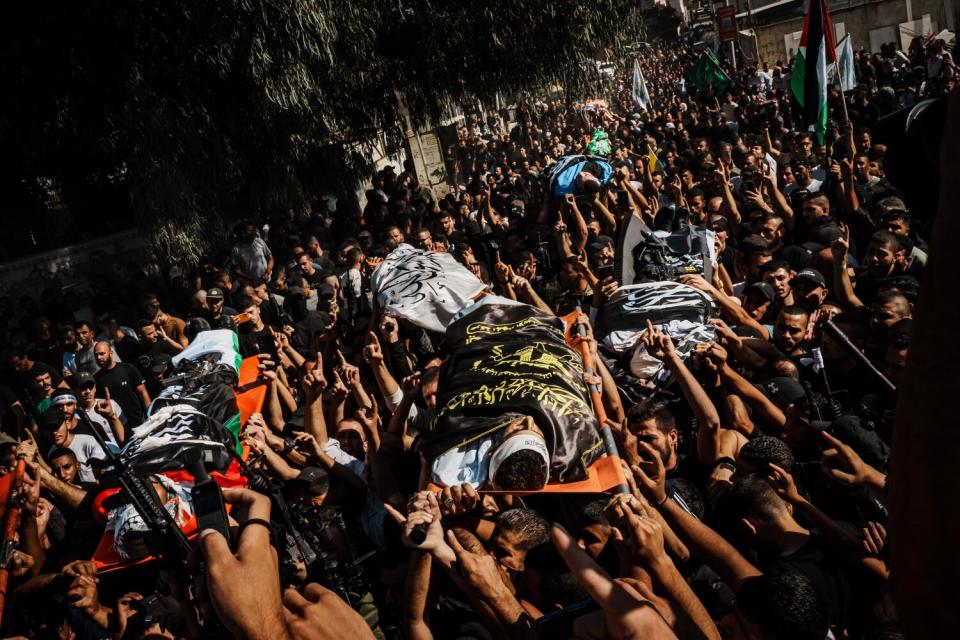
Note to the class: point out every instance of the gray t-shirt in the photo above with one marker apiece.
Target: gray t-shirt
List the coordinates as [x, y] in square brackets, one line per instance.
[252, 258]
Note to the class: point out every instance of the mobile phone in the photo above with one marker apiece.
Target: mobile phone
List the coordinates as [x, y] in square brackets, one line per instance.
[267, 346]
[604, 271]
[623, 200]
[241, 318]
[209, 507]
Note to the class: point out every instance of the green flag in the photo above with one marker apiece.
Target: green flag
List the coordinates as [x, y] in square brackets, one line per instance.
[707, 72]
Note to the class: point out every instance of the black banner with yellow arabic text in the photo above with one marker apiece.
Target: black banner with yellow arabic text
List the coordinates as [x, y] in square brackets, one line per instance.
[508, 360]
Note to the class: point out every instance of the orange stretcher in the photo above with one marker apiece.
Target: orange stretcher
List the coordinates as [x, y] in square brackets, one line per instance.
[249, 402]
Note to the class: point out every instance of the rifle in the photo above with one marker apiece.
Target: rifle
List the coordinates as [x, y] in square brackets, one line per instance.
[269, 487]
[837, 334]
[164, 538]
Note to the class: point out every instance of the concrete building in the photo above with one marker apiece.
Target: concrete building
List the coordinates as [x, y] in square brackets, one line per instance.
[778, 24]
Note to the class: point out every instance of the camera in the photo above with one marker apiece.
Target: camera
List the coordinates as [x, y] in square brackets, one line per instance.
[323, 529]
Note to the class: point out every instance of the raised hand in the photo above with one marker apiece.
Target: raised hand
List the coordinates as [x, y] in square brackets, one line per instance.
[651, 476]
[697, 282]
[369, 418]
[501, 270]
[629, 614]
[372, 353]
[307, 444]
[267, 368]
[411, 383]
[82, 594]
[320, 614]
[105, 407]
[349, 372]
[244, 586]
[724, 330]
[126, 609]
[422, 509]
[639, 533]
[712, 354]
[20, 563]
[456, 501]
[783, 483]
[842, 463]
[874, 538]
[841, 246]
[313, 382]
[337, 391]
[479, 572]
[27, 450]
[607, 289]
[658, 344]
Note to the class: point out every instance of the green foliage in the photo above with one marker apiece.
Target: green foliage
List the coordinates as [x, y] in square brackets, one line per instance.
[205, 112]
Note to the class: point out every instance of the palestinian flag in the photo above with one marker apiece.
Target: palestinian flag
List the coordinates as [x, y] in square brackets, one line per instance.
[809, 79]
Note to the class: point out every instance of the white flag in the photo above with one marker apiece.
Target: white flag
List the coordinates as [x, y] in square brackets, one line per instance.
[846, 76]
[425, 287]
[641, 97]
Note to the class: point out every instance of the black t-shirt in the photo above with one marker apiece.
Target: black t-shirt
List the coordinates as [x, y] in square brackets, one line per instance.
[249, 341]
[822, 567]
[122, 381]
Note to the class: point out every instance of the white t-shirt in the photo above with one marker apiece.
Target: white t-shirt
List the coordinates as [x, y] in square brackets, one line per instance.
[469, 464]
[104, 424]
[730, 111]
[84, 447]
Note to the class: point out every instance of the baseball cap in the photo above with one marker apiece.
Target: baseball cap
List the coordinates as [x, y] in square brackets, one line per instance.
[601, 242]
[215, 292]
[825, 234]
[765, 290]
[5, 440]
[51, 418]
[160, 362]
[784, 391]
[82, 379]
[811, 275]
[868, 445]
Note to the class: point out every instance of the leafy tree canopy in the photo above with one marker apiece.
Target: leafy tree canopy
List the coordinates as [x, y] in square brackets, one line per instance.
[202, 112]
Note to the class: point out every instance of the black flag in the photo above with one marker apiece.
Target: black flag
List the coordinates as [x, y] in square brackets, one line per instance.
[508, 361]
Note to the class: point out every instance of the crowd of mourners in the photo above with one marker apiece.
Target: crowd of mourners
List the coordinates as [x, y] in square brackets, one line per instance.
[757, 480]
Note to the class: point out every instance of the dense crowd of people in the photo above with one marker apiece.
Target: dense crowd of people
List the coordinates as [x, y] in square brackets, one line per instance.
[757, 479]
